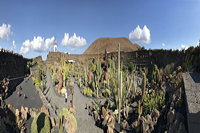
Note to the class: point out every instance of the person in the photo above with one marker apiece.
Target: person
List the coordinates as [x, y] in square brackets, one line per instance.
[66, 97]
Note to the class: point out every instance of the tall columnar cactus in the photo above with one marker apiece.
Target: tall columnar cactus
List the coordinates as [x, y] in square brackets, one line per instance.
[64, 70]
[119, 84]
[134, 85]
[144, 85]
[139, 108]
[128, 87]
[140, 102]
[85, 74]
[98, 76]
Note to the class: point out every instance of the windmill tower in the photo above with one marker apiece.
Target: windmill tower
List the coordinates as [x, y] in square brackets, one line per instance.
[55, 47]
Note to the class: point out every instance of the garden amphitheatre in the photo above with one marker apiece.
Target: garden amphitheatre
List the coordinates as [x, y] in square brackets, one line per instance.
[114, 86]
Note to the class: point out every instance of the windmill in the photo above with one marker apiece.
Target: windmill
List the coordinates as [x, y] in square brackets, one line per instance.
[55, 47]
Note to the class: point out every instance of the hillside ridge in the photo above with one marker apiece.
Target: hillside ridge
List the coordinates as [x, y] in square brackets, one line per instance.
[110, 44]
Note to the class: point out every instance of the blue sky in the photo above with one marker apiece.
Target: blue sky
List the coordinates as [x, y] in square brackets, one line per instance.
[172, 23]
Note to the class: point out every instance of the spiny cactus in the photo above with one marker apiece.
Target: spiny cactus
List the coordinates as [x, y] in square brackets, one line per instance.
[119, 84]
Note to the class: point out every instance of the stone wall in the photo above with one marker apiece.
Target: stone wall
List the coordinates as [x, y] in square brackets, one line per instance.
[142, 58]
[12, 65]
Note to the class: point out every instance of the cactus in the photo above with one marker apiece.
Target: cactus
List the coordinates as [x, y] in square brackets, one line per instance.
[119, 84]
[64, 70]
[70, 121]
[144, 85]
[134, 85]
[38, 121]
[140, 101]
[60, 85]
[139, 109]
[85, 75]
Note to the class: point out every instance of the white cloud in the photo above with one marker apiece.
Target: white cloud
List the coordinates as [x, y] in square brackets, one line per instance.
[5, 31]
[139, 35]
[184, 47]
[13, 46]
[73, 41]
[163, 44]
[38, 44]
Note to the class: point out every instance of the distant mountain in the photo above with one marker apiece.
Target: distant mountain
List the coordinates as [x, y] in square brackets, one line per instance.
[111, 45]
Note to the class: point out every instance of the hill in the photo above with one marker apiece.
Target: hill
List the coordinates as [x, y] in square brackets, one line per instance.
[111, 45]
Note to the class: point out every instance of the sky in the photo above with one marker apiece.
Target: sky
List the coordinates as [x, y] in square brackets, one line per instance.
[30, 27]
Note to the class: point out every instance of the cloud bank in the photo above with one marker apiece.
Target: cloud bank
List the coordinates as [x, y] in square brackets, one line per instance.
[139, 35]
[38, 44]
[73, 41]
[5, 31]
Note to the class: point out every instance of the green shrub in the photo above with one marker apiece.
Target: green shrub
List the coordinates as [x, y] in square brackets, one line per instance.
[87, 92]
[70, 118]
[37, 83]
[41, 124]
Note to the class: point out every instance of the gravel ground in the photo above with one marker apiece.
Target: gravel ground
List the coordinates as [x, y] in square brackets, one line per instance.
[32, 101]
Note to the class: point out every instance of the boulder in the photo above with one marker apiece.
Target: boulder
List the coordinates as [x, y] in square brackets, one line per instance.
[111, 124]
[104, 112]
[24, 113]
[17, 113]
[170, 116]
[32, 112]
[135, 124]
[125, 124]
[110, 130]
[181, 128]
[72, 109]
[25, 97]
[96, 115]
[19, 94]
[155, 115]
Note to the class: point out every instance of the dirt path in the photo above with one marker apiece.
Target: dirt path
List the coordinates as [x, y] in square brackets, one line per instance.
[86, 123]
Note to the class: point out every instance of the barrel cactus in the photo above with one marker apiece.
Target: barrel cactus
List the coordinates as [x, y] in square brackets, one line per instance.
[41, 124]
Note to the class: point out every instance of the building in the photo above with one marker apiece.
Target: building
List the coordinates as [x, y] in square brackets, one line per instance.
[55, 47]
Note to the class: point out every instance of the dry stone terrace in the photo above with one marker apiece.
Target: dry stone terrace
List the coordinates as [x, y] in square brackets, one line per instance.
[192, 91]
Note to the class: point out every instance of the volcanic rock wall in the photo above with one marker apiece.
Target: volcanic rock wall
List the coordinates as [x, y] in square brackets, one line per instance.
[12, 65]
